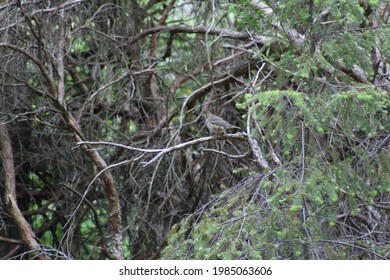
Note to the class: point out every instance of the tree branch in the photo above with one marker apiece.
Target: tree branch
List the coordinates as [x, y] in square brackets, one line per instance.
[184, 145]
[26, 233]
[200, 29]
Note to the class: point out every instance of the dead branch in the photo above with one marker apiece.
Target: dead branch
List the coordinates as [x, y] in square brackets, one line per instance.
[184, 145]
[200, 29]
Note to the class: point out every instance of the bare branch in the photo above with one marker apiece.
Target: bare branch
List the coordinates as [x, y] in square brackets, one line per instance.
[94, 143]
[27, 235]
[202, 30]
[184, 145]
[225, 154]
[37, 62]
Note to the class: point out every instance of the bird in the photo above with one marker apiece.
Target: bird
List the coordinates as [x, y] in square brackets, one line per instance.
[217, 125]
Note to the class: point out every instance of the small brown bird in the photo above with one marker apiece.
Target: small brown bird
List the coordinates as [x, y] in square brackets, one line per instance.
[217, 125]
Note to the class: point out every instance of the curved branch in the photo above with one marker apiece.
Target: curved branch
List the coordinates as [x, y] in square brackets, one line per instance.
[26, 233]
[96, 220]
[184, 145]
[200, 29]
[37, 62]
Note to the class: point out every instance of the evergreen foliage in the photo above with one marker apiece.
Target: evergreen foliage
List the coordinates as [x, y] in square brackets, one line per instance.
[313, 207]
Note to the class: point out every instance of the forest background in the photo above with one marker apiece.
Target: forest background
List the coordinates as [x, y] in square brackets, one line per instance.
[105, 153]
